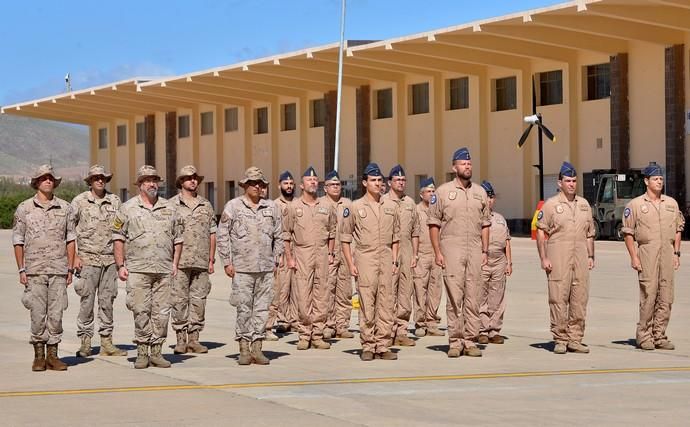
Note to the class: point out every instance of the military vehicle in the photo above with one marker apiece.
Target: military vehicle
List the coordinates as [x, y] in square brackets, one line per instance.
[607, 192]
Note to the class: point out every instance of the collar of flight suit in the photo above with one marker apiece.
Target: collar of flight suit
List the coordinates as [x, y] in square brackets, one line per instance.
[563, 199]
[318, 201]
[457, 184]
[662, 198]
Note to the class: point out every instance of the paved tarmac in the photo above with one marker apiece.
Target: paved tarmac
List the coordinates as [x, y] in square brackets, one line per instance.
[519, 383]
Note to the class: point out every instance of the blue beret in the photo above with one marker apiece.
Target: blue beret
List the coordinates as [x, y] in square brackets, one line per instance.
[285, 176]
[462, 154]
[427, 182]
[568, 170]
[372, 169]
[332, 176]
[486, 185]
[653, 170]
[396, 171]
[310, 172]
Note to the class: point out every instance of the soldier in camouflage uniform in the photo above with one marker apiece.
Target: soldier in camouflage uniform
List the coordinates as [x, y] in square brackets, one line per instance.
[147, 235]
[43, 239]
[93, 214]
[191, 286]
[249, 242]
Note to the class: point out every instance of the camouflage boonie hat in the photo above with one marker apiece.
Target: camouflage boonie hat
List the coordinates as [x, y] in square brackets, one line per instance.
[42, 171]
[145, 172]
[253, 174]
[186, 171]
[97, 170]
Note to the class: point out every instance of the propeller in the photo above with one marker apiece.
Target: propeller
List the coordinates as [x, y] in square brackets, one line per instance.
[534, 119]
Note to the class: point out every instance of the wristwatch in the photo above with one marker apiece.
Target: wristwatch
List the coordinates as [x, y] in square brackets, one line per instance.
[70, 270]
[22, 270]
[677, 253]
[396, 263]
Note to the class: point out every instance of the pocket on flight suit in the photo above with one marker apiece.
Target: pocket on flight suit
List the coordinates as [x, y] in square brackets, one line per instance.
[26, 297]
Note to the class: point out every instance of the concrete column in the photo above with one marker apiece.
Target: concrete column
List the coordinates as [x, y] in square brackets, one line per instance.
[220, 154]
[170, 152]
[363, 111]
[675, 123]
[331, 101]
[150, 143]
[620, 113]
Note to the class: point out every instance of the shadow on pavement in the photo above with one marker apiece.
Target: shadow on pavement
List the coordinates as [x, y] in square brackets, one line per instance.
[442, 348]
[212, 344]
[75, 360]
[272, 355]
[548, 346]
[631, 342]
[127, 347]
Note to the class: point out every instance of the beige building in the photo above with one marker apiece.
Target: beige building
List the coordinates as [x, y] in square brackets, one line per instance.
[610, 76]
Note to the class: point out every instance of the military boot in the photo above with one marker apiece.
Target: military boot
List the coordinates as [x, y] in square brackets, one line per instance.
[420, 332]
[320, 344]
[181, 346]
[194, 345]
[245, 357]
[434, 332]
[108, 349]
[270, 336]
[483, 339]
[453, 353]
[345, 334]
[157, 358]
[39, 357]
[142, 361]
[85, 349]
[389, 355]
[53, 363]
[303, 344]
[404, 341]
[328, 333]
[576, 347]
[471, 352]
[258, 356]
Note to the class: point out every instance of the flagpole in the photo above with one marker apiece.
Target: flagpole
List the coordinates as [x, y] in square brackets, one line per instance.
[340, 88]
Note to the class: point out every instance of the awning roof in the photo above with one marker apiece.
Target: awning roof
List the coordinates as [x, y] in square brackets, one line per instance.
[554, 33]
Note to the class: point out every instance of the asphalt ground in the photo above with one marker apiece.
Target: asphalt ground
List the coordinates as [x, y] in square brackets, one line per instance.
[519, 383]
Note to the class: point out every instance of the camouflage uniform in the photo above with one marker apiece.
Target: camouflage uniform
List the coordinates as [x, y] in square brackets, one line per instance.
[93, 219]
[191, 286]
[250, 240]
[150, 236]
[44, 231]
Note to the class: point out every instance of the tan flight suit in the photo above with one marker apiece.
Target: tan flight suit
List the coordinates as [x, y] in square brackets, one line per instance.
[150, 236]
[192, 285]
[373, 228]
[44, 230]
[654, 227]
[308, 228]
[339, 279]
[427, 283]
[93, 220]
[282, 307]
[568, 226]
[492, 304]
[461, 213]
[403, 286]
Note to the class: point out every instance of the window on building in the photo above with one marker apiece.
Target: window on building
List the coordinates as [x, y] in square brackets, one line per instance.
[288, 116]
[121, 135]
[207, 123]
[318, 113]
[230, 189]
[211, 193]
[231, 119]
[103, 138]
[123, 194]
[597, 81]
[261, 120]
[550, 87]
[458, 93]
[141, 132]
[384, 104]
[505, 93]
[418, 98]
[183, 126]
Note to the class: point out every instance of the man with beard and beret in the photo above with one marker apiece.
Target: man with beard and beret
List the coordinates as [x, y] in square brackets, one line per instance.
[43, 239]
[249, 242]
[459, 228]
[147, 239]
[565, 241]
[426, 274]
[308, 231]
[94, 211]
[654, 221]
[339, 279]
[494, 273]
[191, 285]
[403, 286]
[283, 311]
[373, 225]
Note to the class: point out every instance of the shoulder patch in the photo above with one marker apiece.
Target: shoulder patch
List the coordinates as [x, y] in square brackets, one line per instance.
[452, 195]
[346, 213]
[117, 224]
[433, 199]
[626, 212]
[224, 218]
[540, 215]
